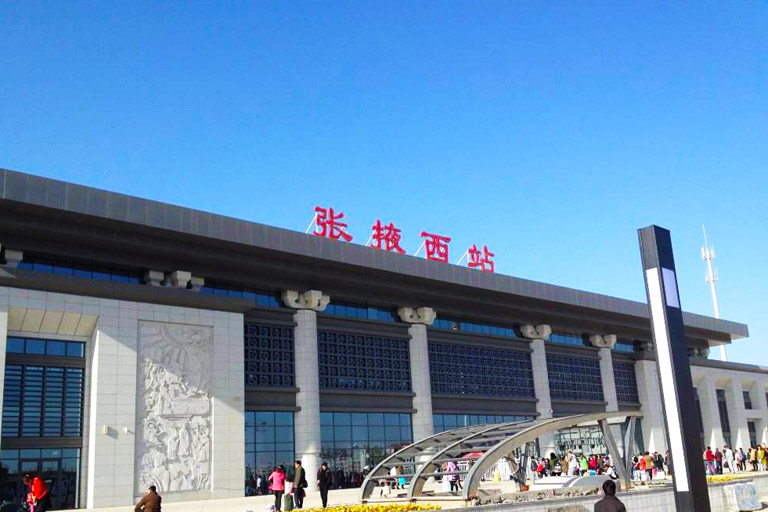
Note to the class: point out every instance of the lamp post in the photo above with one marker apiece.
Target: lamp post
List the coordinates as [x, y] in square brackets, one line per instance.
[674, 369]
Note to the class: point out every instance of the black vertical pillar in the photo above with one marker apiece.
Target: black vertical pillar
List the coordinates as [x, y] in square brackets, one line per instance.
[671, 347]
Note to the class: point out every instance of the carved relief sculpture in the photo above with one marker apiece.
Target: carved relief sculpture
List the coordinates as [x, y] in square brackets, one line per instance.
[174, 407]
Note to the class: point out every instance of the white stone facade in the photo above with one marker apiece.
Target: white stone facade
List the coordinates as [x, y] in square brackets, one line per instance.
[111, 455]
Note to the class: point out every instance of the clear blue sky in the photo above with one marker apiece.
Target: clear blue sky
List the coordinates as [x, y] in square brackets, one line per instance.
[550, 131]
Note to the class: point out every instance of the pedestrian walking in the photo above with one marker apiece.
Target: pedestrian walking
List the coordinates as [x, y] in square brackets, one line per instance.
[40, 496]
[299, 484]
[610, 503]
[150, 502]
[277, 485]
[324, 482]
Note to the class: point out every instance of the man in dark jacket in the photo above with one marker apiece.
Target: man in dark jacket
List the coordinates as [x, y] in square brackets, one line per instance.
[324, 482]
[299, 483]
[150, 502]
[610, 503]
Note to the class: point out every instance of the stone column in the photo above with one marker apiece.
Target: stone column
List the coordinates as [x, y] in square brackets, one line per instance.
[737, 414]
[538, 334]
[759, 401]
[605, 343]
[307, 436]
[710, 413]
[3, 338]
[650, 403]
[420, 318]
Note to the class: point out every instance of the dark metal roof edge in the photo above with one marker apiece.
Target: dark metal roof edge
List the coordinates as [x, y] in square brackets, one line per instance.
[36, 190]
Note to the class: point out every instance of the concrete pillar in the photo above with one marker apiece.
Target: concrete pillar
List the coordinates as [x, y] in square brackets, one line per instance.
[420, 318]
[760, 402]
[737, 414]
[307, 435]
[538, 334]
[650, 403]
[3, 339]
[710, 413]
[605, 343]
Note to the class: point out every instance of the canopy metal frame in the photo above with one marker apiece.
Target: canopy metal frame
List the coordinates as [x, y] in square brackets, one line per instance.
[496, 441]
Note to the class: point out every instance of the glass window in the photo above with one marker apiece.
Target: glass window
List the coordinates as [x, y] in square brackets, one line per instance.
[574, 378]
[36, 347]
[268, 443]
[752, 433]
[370, 438]
[58, 468]
[42, 401]
[57, 348]
[443, 422]
[747, 401]
[722, 407]
[15, 345]
[566, 338]
[453, 324]
[464, 370]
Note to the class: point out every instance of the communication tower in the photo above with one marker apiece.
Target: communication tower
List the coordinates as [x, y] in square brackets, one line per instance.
[708, 254]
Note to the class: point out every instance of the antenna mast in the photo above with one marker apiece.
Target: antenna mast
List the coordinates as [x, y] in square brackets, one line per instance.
[708, 254]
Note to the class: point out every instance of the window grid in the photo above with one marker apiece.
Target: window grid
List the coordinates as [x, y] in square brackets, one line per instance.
[269, 356]
[443, 422]
[463, 370]
[59, 467]
[752, 433]
[360, 311]
[574, 378]
[452, 324]
[43, 401]
[260, 298]
[356, 361]
[626, 382]
[66, 268]
[722, 407]
[565, 338]
[34, 346]
[700, 417]
[268, 442]
[747, 400]
[351, 441]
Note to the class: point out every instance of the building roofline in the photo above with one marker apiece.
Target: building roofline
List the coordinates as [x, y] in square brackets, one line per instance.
[78, 199]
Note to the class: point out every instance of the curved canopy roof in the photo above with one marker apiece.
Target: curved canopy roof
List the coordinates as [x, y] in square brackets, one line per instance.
[480, 447]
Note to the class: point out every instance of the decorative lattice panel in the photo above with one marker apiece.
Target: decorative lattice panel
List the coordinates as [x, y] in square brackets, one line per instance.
[626, 383]
[574, 378]
[356, 361]
[268, 356]
[460, 370]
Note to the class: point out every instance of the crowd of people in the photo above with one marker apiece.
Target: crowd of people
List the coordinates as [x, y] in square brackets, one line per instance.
[571, 464]
[258, 483]
[728, 460]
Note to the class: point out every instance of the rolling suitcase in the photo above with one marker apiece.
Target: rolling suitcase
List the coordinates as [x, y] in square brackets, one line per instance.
[287, 502]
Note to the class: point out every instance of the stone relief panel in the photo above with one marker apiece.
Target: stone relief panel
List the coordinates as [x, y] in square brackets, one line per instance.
[173, 437]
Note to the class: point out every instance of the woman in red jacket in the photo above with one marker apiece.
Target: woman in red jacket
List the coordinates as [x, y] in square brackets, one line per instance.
[39, 490]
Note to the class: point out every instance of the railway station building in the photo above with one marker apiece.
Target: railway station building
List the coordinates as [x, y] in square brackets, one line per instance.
[145, 343]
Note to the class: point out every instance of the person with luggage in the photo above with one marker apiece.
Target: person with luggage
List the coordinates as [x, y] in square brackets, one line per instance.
[277, 485]
[324, 482]
[299, 484]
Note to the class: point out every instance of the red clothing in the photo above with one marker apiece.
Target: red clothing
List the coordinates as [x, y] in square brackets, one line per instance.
[710, 456]
[278, 481]
[38, 488]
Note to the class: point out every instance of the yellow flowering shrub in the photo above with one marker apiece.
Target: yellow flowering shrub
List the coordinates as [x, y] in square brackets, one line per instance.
[714, 479]
[380, 507]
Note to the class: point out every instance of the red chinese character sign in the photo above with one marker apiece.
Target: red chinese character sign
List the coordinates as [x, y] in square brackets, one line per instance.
[328, 225]
[387, 237]
[437, 246]
[480, 260]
